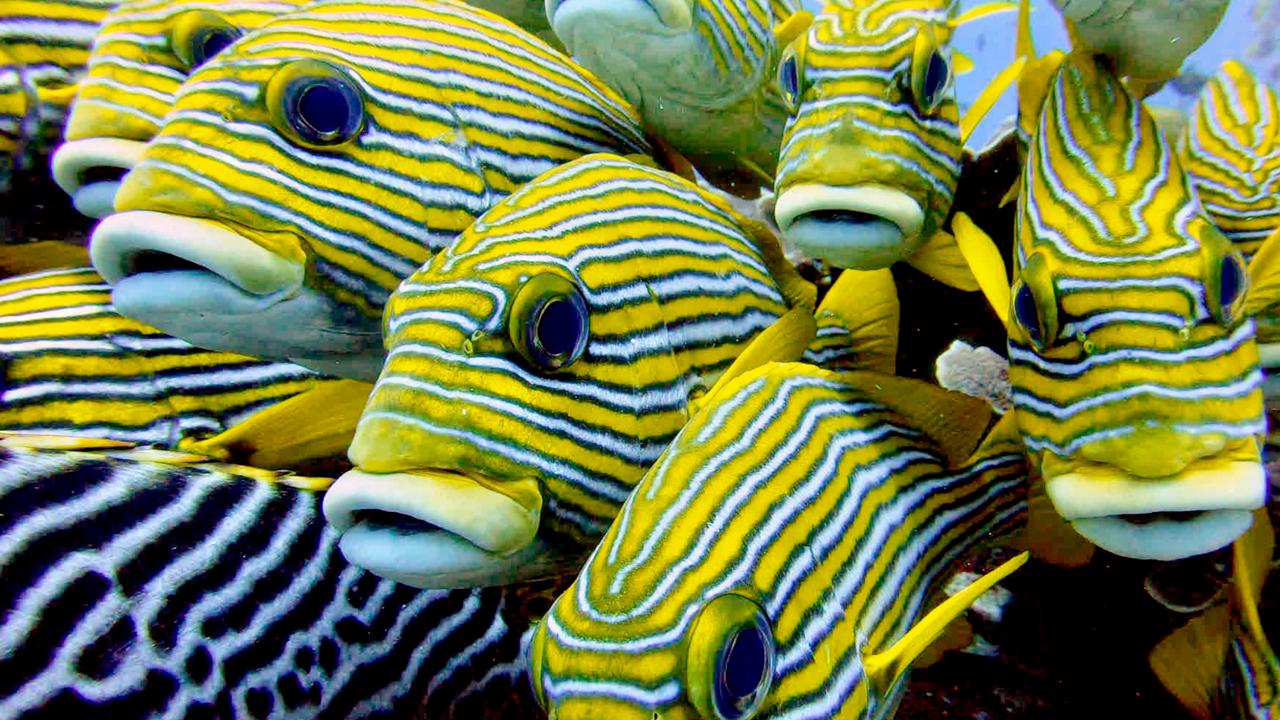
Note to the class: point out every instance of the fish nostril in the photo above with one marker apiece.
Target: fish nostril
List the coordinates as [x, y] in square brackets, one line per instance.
[101, 173]
[151, 261]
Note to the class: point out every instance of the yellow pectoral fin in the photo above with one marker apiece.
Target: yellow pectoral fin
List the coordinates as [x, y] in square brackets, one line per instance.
[792, 28]
[25, 258]
[957, 636]
[961, 63]
[314, 425]
[940, 258]
[1189, 662]
[43, 441]
[1251, 555]
[783, 341]
[988, 97]
[955, 422]
[1011, 195]
[865, 303]
[884, 668]
[1264, 275]
[981, 11]
[984, 262]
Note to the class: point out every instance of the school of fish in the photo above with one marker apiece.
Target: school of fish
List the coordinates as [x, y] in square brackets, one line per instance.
[528, 358]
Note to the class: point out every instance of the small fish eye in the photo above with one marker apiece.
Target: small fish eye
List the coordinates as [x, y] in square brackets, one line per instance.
[729, 668]
[935, 78]
[315, 104]
[198, 36]
[930, 73]
[1027, 315]
[789, 81]
[548, 322]
[1233, 280]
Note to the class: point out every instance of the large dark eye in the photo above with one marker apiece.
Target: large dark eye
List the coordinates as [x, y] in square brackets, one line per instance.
[930, 74]
[789, 81]
[729, 668]
[548, 322]
[1035, 306]
[1024, 310]
[315, 104]
[1233, 280]
[199, 35]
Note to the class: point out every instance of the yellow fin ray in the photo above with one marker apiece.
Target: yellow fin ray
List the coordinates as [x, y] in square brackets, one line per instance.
[310, 426]
[988, 97]
[940, 258]
[1264, 275]
[1251, 554]
[1189, 662]
[981, 11]
[783, 341]
[24, 258]
[885, 667]
[958, 635]
[983, 258]
[961, 63]
[49, 441]
[865, 303]
[793, 27]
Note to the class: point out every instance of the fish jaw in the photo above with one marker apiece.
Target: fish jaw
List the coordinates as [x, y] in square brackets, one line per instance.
[438, 528]
[90, 170]
[863, 227]
[200, 280]
[1106, 505]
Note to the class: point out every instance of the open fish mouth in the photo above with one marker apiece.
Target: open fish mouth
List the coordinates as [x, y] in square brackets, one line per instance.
[1201, 509]
[865, 227]
[673, 14]
[436, 528]
[91, 170]
[202, 281]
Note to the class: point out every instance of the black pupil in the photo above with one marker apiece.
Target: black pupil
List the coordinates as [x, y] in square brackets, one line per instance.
[215, 42]
[1232, 283]
[324, 108]
[935, 77]
[1024, 306]
[559, 328]
[790, 82]
[742, 672]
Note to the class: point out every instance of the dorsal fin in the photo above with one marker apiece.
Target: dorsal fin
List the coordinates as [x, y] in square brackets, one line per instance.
[783, 341]
[793, 27]
[983, 258]
[25, 258]
[885, 667]
[955, 422]
[863, 304]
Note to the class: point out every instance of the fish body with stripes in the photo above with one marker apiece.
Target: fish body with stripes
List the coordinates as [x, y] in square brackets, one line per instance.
[1133, 363]
[73, 366]
[1230, 147]
[701, 73]
[777, 560]
[307, 170]
[148, 584]
[44, 46]
[144, 51]
[872, 150]
[324, 158]
[539, 365]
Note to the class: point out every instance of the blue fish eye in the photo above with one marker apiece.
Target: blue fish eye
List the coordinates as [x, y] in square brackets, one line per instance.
[548, 322]
[743, 669]
[315, 104]
[789, 81]
[729, 660]
[1232, 281]
[213, 42]
[936, 76]
[1028, 315]
[199, 35]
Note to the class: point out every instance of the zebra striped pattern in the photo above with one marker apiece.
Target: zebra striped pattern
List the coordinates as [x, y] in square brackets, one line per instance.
[461, 107]
[856, 121]
[44, 45]
[137, 589]
[1107, 212]
[674, 288]
[134, 71]
[1231, 150]
[73, 366]
[802, 491]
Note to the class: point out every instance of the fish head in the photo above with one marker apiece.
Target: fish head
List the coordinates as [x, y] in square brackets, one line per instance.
[1230, 148]
[540, 364]
[871, 155]
[752, 569]
[1133, 366]
[302, 174]
[143, 52]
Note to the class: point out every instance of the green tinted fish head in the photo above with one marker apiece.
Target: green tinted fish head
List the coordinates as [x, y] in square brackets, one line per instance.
[699, 71]
[871, 154]
[753, 572]
[143, 53]
[1134, 368]
[540, 364]
[301, 175]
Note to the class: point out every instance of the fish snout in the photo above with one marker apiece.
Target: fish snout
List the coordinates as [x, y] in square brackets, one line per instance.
[863, 227]
[91, 170]
[564, 15]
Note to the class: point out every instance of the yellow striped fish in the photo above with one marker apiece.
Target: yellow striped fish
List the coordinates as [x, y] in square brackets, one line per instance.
[871, 154]
[701, 73]
[44, 46]
[1230, 147]
[144, 51]
[540, 364]
[776, 561]
[302, 175]
[1133, 364]
[73, 366]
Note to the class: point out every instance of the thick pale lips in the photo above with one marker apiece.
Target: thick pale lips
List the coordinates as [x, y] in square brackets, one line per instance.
[863, 227]
[675, 14]
[1200, 510]
[90, 171]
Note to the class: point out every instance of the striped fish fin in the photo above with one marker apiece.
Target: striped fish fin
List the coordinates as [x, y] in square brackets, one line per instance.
[140, 589]
[784, 341]
[857, 324]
